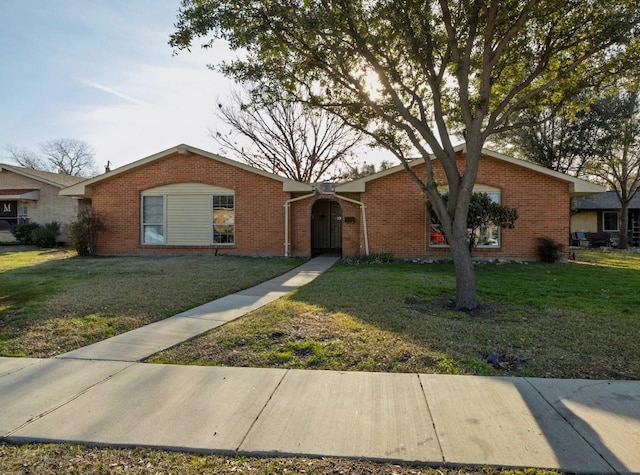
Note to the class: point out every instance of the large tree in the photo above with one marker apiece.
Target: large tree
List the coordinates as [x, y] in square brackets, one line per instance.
[442, 68]
[285, 137]
[65, 156]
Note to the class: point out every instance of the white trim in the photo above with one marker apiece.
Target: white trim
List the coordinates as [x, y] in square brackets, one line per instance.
[164, 220]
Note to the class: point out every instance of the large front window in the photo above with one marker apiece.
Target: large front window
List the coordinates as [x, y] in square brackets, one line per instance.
[153, 219]
[486, 236]
[224, 217]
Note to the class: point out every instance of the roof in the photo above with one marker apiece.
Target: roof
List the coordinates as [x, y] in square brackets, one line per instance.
[606, 200]
[8, 194]
[58, 180]
[83, 189]
[578, 186]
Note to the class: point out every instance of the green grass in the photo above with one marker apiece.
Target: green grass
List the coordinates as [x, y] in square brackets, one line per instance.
[575, 320]
[52, 301]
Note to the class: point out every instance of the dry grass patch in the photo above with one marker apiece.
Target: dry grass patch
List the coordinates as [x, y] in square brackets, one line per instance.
[47, 459]
[51, 303]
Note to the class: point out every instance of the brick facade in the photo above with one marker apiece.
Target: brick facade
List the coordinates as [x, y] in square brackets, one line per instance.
[398, 220]
[259, 211]
[396, 213]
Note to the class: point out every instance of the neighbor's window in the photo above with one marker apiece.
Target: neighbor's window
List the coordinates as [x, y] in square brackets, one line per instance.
[610, 221]
[224, 217]
[153, 219]
[487, 236]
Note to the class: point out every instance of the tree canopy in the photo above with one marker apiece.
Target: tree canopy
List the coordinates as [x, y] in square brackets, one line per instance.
[615, 124]
[441, 69]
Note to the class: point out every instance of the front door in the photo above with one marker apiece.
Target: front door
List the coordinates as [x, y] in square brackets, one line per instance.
[326, 227]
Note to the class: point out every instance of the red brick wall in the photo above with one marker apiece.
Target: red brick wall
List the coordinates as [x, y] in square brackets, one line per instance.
[352, 233]
[259, 206]
[395, 210]
[397, 216]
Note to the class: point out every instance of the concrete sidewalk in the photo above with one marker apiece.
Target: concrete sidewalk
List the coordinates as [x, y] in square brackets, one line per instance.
[102, 395]
[570, 425]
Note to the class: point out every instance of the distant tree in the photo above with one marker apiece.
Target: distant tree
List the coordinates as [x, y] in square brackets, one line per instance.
[65, 156]
[601, 141]
[25, 158]
[356, 171]
[615, 122]
[285, 137]
[556, 139]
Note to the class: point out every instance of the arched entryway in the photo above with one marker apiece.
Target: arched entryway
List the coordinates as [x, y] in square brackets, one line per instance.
[326, 227]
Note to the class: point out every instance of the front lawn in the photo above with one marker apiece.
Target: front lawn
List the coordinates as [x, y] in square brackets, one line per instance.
[575, 320]
[52, 302]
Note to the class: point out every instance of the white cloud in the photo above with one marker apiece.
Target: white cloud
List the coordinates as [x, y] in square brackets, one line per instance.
[109, 90]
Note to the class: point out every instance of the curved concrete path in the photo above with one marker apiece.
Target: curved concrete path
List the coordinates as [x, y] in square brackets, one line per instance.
[98, 396]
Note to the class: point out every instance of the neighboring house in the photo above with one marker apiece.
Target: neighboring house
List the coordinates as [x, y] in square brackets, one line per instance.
[600, 213]
[33, 195]
[186, 200]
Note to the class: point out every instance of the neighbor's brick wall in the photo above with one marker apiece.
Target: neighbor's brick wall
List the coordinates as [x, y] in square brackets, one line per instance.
[259, 204]
[397, 215]
[50, 207]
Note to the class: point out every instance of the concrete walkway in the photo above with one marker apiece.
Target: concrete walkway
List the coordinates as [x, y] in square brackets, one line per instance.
[98, 396]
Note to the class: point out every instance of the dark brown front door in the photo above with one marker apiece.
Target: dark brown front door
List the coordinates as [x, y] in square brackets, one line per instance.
[326, 227]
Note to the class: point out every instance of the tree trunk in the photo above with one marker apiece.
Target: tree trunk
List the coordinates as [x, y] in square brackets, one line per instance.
[465, 276]
[623, 242]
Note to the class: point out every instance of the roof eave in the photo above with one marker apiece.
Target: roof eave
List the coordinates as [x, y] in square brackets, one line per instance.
[83, 189]
[583, 188]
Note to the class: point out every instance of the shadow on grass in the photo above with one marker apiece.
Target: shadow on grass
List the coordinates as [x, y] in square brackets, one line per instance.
[569, 321]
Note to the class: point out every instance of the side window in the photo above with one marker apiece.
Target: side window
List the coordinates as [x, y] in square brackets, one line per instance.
[153, 220]
[224, 218]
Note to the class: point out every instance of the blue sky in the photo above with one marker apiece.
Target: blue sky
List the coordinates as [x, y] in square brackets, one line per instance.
[103, 72]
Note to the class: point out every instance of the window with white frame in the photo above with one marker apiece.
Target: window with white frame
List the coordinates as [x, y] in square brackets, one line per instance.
[224, 217]
[153, 220]
[487, 236]
[610, 221]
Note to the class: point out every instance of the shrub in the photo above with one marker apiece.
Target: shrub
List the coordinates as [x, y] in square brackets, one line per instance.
[22, 232]
[84, 232]
[549, 250]
[375, 258]
[46, 235]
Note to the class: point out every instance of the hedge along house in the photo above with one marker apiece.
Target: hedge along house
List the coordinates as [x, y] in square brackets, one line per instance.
[185, 200]
[28, 195]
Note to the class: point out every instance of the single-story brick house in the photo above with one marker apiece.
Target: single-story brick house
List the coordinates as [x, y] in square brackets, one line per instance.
[600, 213]
[34, 195]
[186, 200]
